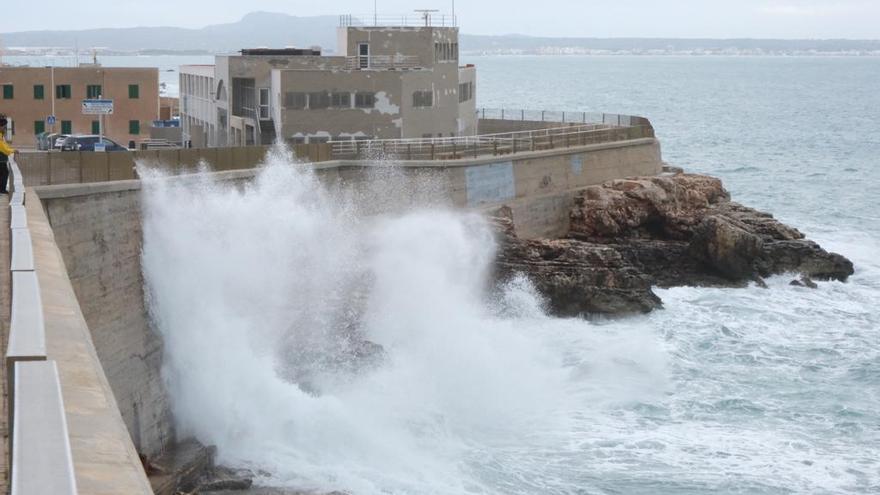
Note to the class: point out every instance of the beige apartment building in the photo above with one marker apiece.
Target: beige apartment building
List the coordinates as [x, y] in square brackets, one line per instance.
[31, 94]
[388, 82]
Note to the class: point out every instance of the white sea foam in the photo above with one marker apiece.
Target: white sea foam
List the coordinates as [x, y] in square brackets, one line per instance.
[257, 290]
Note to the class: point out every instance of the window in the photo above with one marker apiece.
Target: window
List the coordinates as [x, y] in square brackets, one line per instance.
[365, 100]
[423, 99]
[264, 104]
[39, 126]
[66, 126]
[340, 100]
[39, 92]
[93, 91]
[445, 52]
[62, 91]
[96, 127]
[134, 91]
[134, 127]
[465, 92]
[8, 91]
[319, 101]
[363, 55]
[295, 101]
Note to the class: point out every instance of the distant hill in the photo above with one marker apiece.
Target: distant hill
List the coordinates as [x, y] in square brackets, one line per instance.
[253, 30]
[278, 30]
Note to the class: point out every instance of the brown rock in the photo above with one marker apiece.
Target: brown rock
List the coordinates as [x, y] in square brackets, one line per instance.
[681, 229]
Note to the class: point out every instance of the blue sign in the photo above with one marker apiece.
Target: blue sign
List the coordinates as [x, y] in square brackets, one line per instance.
[50, 120]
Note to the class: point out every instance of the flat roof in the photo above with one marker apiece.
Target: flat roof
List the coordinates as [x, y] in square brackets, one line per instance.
[282, 51]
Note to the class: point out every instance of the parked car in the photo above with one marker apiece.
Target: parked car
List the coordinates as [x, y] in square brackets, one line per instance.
[88, 142]
[58, 140]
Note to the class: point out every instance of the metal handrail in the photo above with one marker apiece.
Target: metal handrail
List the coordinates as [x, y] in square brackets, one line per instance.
[383, 62]
[560, 116]
[487, 145]
[404, 20]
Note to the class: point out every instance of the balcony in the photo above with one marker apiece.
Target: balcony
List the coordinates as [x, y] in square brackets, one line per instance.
[383, 62]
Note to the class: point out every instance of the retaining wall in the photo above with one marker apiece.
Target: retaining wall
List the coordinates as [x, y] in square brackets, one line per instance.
[88, 239]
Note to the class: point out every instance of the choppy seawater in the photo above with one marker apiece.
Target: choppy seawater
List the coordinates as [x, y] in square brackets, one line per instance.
[769, 391]
[753, 391]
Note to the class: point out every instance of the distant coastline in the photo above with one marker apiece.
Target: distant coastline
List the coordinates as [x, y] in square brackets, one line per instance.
[550, 51]
[279, 30]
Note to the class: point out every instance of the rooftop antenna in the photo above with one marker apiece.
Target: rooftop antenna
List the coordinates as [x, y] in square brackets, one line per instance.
[426, 15]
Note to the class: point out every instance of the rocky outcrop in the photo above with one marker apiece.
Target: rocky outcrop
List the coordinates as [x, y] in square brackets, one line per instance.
[672, 230]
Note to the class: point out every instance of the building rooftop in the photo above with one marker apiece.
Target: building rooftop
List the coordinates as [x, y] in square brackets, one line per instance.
[281, 51]
[419, 18]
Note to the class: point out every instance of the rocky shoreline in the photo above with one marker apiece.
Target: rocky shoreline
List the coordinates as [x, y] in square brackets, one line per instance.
[677, 229]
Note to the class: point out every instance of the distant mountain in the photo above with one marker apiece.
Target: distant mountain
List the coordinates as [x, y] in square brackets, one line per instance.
[279, 30]
[253, 30]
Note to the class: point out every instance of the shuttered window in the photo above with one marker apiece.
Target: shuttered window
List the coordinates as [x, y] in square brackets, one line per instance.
[62, 91]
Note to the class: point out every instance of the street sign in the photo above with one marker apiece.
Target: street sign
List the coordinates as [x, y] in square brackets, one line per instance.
[50, 120]
[97, 107]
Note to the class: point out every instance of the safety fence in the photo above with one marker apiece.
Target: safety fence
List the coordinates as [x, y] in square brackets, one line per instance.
[613, 119]
[39, 445]
[424, 18]
[555, 134]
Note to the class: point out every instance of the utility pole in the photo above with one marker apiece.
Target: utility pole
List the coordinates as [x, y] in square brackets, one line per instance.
[375, 13]
[52, 92]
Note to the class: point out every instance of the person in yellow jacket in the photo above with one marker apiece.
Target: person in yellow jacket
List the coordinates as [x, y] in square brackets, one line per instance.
[5, 152]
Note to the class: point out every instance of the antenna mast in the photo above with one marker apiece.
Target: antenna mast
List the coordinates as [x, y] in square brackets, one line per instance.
[426, 15]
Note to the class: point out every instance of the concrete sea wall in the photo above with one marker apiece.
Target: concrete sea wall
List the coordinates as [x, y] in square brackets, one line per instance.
[92, 235]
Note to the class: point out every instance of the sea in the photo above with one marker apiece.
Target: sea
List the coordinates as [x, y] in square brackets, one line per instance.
[724, 391]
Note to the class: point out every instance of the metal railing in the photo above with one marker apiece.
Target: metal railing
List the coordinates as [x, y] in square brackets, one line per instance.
[405, 20]
[487, 145]
[560, 116]
[383, 62]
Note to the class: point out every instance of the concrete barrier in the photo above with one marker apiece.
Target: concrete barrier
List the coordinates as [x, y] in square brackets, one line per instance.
[73, 167]
[17, 216]
[27, 332]
[41, 459]
[22, 252]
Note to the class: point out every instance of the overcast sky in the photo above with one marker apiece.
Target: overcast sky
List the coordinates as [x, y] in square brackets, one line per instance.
[854, 19]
